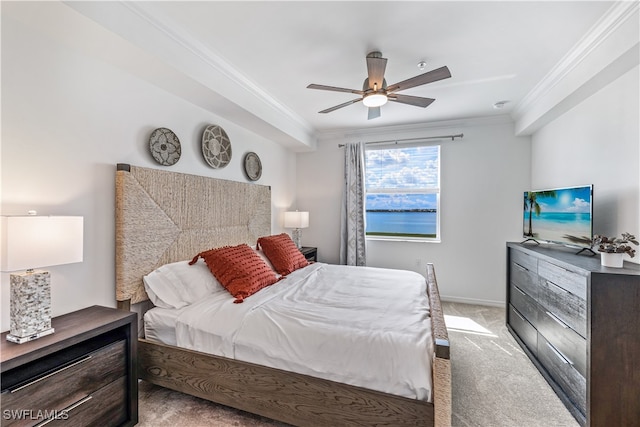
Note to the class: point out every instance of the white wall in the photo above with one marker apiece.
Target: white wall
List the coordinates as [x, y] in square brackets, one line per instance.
[67, 119]
[597, 142]
[483, 176]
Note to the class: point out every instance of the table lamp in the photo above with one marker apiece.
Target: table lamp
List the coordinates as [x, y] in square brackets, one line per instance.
[30, 242]
[296, 220]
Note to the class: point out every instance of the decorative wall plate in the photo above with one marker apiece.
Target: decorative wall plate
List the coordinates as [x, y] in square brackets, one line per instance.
[216, 147]
[252, 166]
[164, 146]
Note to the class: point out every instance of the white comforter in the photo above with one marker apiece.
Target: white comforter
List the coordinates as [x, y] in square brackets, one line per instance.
[357, 325]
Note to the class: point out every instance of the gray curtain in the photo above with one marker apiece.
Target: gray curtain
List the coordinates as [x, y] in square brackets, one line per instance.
[352, 224]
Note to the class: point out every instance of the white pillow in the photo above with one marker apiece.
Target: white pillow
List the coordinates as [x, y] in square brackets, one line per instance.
[179, 284]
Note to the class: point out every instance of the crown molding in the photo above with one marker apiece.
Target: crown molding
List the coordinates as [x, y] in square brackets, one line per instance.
[599, 32]
[384, 132]
[212, 59]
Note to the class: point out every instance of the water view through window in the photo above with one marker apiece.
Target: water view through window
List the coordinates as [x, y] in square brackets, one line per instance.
[403, 192]
[413, 221]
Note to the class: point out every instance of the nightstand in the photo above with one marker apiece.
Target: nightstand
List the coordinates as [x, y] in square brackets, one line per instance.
[84, 374]
[311, 254]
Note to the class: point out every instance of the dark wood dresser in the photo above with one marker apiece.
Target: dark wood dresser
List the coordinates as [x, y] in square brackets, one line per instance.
[84, 374]
[579, 323]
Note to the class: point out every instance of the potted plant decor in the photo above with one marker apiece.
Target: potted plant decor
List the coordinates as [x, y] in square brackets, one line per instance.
[612, 249]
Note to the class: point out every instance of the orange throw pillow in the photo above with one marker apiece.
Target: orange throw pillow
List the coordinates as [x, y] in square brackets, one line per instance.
[283, 253]
[239, 269]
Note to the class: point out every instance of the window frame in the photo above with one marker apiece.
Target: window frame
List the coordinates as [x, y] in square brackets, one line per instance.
[394, 190]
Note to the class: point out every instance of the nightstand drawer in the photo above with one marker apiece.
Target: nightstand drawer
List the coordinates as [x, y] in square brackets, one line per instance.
[72, 382]
[310, 253]
[104, 408]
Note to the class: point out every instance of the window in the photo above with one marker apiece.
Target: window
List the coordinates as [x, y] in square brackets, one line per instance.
[403, 192]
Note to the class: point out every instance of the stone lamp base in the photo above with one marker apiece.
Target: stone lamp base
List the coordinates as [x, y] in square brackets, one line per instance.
[296, 236]
[30, 307]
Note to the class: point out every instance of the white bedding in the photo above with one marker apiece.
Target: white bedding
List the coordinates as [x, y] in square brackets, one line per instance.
[356, 325]
[160, 325]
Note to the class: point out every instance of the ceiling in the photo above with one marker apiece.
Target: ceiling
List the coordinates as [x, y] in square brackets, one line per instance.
[496, 51]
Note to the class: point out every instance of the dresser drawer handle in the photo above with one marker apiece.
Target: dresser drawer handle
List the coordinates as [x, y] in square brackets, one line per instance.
[520, 267]
[65, 410]
[520, 290]
[50, 375]
[550, 283]
[558, 321]
[561, 356]
[519, 315]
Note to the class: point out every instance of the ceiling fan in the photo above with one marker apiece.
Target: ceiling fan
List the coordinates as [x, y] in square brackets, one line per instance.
[375, 91]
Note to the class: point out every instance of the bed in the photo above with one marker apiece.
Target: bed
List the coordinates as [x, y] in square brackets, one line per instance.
[166, 217]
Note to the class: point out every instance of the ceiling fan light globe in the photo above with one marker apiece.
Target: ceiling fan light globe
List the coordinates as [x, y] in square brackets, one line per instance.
[375, 100]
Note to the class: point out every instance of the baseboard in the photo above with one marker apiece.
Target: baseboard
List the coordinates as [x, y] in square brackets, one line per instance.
[490, 303]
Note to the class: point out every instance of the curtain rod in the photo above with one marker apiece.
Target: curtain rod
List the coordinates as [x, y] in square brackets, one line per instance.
[397, 141]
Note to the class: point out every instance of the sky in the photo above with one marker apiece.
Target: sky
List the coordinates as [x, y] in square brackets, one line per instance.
[570, 200]
[405, 168]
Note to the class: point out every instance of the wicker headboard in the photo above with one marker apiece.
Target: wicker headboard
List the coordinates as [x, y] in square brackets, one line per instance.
[163, 217]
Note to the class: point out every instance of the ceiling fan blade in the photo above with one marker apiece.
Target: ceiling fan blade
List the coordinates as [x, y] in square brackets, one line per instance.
[417, 101]
[334, 89]
[375, 70]
[428, 77]
[374, 113]
[328, 110]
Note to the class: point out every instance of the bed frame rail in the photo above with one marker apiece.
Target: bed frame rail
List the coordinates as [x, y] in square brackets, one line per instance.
[441, 360]
[280, 395]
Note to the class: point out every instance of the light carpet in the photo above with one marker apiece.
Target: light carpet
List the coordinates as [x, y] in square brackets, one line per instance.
[494, 384]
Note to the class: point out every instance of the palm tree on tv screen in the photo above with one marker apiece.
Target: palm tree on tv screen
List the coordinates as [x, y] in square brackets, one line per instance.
[531, 204]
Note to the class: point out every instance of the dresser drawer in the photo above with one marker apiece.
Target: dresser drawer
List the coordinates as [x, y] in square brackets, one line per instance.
[564, 374]
[103, 408]
[572, 346]
[566, 306]
[525, 260]
[72, 382]
[525, 305]
[524, 279]
[523, 329]
[568, 280]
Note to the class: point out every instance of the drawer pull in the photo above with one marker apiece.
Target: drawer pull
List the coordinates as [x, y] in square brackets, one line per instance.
[520, 290]
[519, 315]
[561, 356]
[50, 375]
[558, 321]
[520, 267]
[65, 410]
[550, 283]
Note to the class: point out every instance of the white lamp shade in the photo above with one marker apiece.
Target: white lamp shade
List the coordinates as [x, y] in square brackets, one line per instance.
[296, 219]
[40, 241]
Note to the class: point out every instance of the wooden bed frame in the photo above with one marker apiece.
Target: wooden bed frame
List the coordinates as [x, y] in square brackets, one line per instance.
[164, 217]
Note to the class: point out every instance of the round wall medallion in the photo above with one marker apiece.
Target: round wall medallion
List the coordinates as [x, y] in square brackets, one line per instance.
[164, 146]
[216, 147]
[252, 166]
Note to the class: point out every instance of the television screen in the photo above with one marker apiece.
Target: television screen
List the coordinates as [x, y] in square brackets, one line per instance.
[560, 215]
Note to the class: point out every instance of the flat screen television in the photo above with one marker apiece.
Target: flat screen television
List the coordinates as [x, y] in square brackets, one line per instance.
[559, 215]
